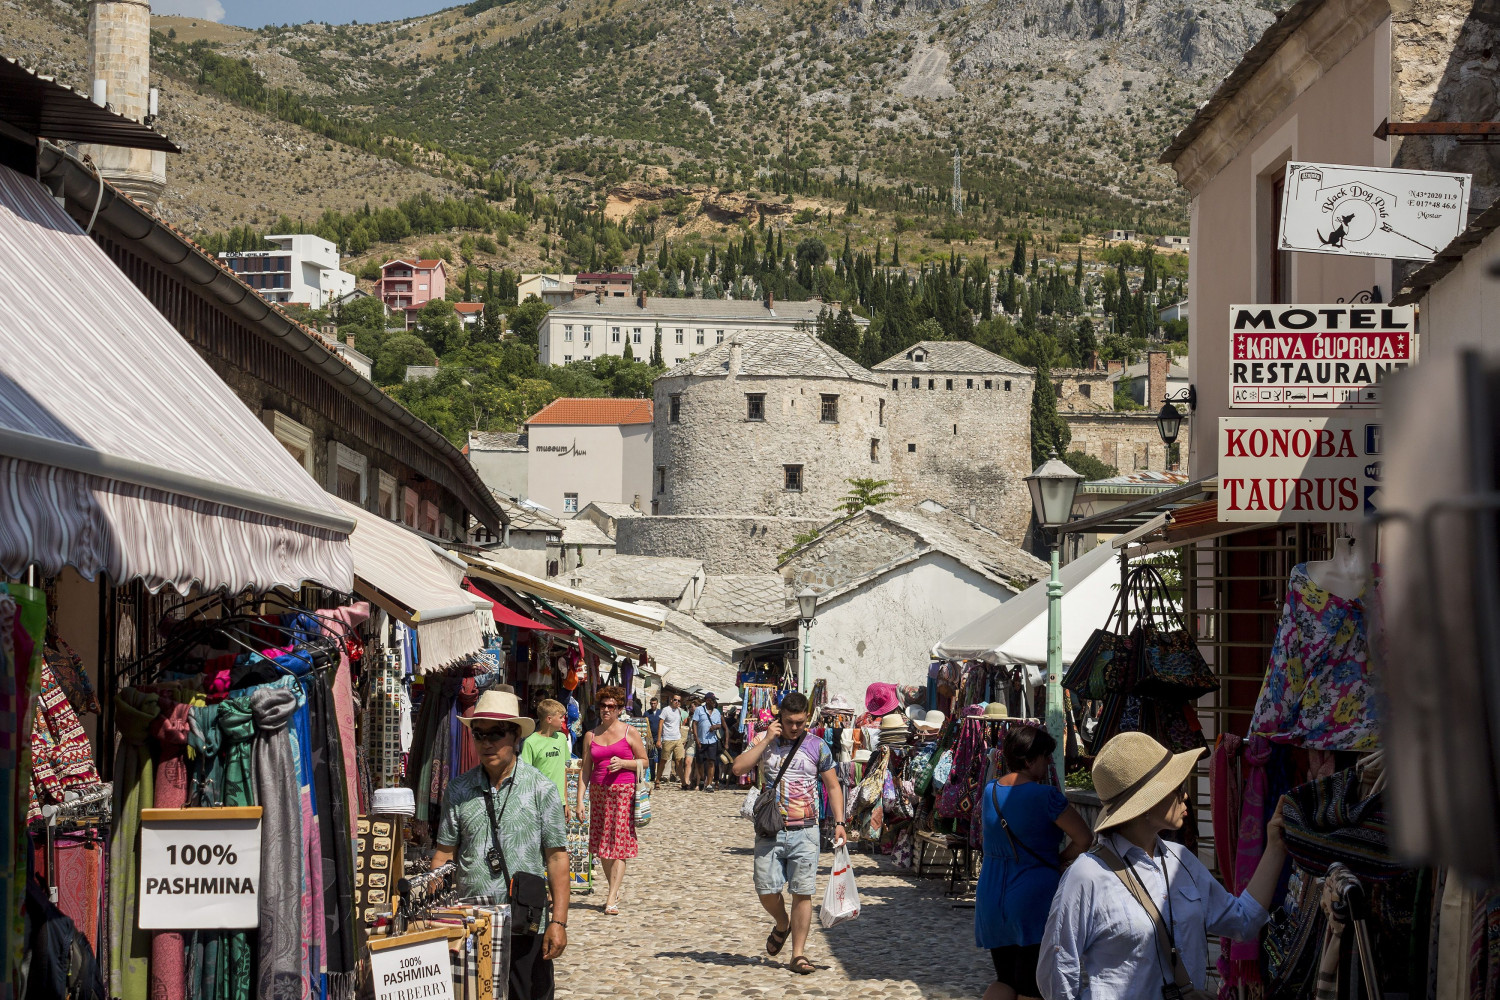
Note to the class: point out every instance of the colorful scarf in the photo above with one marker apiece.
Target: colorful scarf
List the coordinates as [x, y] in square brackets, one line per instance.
[235, 964]
[130, 947]
[281, 973]
[170, 730]
[1250, 845]
[207, 789]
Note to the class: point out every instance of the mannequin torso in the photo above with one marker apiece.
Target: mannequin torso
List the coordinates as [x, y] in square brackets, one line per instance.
[1344, 574]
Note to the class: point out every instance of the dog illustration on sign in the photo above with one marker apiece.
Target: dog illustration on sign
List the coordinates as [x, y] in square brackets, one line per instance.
[1336, 238]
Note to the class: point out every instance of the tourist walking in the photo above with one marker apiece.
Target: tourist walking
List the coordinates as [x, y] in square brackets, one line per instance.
[793, 761]
[502, 823]
[673, 755]
[1025, 816]
[550, 748]
[1095, 932]
[615, 756]
[653, 737]
[708, 728]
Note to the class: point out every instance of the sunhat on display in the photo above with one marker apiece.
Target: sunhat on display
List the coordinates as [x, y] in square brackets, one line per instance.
[880, 699]
[862, 755]
[993, 711]
[500, 704]
[932, 720]
[915, 713]
[894, 729]
[1133, 773]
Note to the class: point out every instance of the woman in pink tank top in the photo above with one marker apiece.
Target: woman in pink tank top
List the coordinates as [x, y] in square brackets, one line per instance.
[616, 757]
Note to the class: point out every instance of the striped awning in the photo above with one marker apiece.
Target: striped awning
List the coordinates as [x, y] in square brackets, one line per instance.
[525, 583]
[120, 449]
[399, 571]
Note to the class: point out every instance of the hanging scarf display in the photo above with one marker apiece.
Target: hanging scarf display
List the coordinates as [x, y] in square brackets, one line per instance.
[11, 885]
[61, 755]
[237, 730]
[281, 972]
[170, 729]
[134, 786]
[205, 788]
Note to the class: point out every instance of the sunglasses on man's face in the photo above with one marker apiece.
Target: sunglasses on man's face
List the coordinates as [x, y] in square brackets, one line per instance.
[494, 735]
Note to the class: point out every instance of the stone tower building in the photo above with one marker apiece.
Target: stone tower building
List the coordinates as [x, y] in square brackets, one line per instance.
[770, 423]
[960, 429]
[120, 78]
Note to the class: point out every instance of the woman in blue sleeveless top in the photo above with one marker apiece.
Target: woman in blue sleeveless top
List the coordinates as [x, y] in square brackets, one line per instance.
[1025, 816]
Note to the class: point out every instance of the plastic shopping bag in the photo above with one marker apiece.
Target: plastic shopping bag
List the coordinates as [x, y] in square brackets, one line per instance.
[841, 898]
[747, 808]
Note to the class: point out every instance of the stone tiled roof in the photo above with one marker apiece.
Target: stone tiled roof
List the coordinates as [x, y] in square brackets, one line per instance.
[970, 543]
[639, 578]
[615, 510]
[957, 356]
[686, 653]
[582, 531]
[1143, 370]
[741, 599]
[776, 352]
[496, 440]
[525, 518]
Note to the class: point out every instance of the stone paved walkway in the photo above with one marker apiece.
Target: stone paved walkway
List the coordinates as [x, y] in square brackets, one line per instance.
[690, 925]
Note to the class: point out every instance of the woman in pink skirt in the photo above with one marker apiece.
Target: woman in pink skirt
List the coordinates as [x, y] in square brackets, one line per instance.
[616, 757]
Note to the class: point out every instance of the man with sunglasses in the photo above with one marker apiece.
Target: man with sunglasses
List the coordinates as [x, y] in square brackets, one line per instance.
[502, 823]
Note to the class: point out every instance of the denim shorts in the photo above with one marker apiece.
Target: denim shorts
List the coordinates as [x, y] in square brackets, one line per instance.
[790, 857]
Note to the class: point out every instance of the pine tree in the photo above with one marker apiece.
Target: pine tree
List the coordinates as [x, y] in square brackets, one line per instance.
[1018, 259]
[661, 258]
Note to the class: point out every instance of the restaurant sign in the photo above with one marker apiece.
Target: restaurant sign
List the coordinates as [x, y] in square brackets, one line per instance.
[1298, 468]
[1316, 356]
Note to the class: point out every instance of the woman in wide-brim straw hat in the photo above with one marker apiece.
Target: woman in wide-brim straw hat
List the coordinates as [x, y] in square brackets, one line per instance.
[1098, 931]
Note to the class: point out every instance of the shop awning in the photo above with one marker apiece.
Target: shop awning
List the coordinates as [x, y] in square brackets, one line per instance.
[397, 570]
[601, 647]
[1016, 631]
[121, 451]
[525, 583]
[505, 616]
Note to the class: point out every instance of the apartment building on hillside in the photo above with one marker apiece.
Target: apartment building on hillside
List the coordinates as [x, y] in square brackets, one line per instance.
[302, 269]
[408, 284]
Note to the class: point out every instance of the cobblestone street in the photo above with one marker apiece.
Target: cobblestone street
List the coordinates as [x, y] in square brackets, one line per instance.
[690, 925]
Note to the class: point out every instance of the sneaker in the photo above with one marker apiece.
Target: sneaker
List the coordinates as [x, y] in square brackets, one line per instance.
[713, 788]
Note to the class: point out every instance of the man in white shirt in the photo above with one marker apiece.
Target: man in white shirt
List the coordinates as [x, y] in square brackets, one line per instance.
[673, 754]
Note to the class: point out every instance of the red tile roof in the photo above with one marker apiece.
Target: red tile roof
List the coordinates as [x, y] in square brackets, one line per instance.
[421, 265]
[468, 307]
[594, 411]
[609, 276]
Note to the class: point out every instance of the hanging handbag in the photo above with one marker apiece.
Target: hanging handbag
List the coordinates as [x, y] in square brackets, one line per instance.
[769, 819]
[969, 741]
[1099, 668]
[1168, 662]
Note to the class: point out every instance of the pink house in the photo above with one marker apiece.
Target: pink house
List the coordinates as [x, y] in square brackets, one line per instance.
[407, 284]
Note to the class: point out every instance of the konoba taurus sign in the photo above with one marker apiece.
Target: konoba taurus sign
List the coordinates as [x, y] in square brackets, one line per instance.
[1316, 356]
[1298, 468]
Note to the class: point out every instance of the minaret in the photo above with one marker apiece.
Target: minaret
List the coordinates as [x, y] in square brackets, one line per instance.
[120, 78]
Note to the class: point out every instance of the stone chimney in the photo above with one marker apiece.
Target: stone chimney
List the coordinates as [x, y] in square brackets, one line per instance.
[119, 62]
[770, 299]
[1091, 360]
[640, 298]
[598, 295]
[735, 356]
[1114, 366]
[349, 340]
[1158, 366]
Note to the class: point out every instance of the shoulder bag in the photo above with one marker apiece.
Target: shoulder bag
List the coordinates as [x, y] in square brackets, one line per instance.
[769, 820]
[1181, 987]
[1169, 663]
[525, 891]
[1010, 835]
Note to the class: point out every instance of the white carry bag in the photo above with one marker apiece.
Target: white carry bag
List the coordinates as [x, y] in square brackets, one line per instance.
[747, 809]
[841, 898]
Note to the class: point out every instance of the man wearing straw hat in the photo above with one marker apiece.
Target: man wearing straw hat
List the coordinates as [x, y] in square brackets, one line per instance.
[1131, 918]
[502, 822]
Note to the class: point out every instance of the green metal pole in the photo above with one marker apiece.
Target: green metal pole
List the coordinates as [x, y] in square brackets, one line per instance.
[806, 638]
[1055, 724]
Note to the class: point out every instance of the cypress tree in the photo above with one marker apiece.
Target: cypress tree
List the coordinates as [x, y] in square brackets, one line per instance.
[1018, 259]
[1078, 270]
[1049, 431]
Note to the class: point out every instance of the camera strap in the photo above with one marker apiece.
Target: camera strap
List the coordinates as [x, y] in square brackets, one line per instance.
[489, 807]
[1127, 876]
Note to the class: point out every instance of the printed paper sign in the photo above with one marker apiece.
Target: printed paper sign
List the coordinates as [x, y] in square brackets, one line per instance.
[1372, 211]
[199, 871]
[1298, 469]
[1316, 356]
[419, 971]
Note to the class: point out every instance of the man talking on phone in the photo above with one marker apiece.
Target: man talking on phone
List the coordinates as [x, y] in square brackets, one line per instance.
[502, 822]
[793, 761]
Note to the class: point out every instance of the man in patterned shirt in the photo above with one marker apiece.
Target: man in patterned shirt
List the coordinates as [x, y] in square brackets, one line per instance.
[509, 810]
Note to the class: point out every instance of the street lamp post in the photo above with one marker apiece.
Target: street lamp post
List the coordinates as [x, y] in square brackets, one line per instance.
[1053, 486]
[807, 611]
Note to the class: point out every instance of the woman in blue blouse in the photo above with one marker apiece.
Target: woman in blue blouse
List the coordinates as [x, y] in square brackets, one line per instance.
[1025, 816]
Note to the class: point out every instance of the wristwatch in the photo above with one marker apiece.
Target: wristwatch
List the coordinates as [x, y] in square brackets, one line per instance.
[558, 923]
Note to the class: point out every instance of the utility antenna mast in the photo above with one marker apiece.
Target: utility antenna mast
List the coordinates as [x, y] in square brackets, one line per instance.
[958, 191]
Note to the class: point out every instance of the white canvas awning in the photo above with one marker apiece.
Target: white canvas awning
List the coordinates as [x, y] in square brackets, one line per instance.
[504, 575]
[121, 451]
[1016, 631]
[400, 572]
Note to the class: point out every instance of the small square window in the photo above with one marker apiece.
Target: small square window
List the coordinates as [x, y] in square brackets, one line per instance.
[567, 333]
[911, 449]
[949, 384]
[895, 383]
[830, 409]
[755, 406]
[1007, 385]
[570, 503]
[932, 383]
[700, 338]
[971, 383]
[635, 335]
[718, 336]
[793, 478]
[674, 409]
[916, 383]
[614, 334]
[1086, 391]
[680, 336]
[874, 449]
[989, 383]
[588, 334]
[661, 479]
[588, 357]
[882, 413]
[567, 358]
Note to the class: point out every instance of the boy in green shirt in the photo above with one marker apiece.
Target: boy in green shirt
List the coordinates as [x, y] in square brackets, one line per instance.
[550, 748]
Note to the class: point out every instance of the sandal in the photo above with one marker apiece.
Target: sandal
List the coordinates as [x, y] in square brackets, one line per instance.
[802, 966]
[777, 940]
[612, 909]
